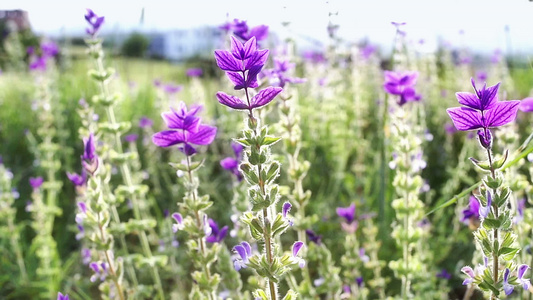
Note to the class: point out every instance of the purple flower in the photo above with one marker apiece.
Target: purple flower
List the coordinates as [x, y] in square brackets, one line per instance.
[171, 88]
[241, 29]
[526, 105]
[520, 276]
[296, 247]
[520, 207]
[232, 163]
[38, 63]
[100, 271]
[95, 22]
[62, 297]
[49, 49]
[507, 288]
[347, 213]
[131, 138]
[485, 210]
[470, 273]
[245, 252]
[472, 211]
[359, 281]
[313, 237]
[194, 72]
[179, 222]
[89, 157]
[444, 274]
[482, 111]
[367, 51]
[279, 75]
[364, 258]
[481, 75]
[76, 179]
[401, 84]
[242, 65]
[86, 256]
[145, 122]
[217, 235]
[185, 129]
[36, 182]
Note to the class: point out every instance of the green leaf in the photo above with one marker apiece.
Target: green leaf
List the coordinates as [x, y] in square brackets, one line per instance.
[269, 140]
[497, 164]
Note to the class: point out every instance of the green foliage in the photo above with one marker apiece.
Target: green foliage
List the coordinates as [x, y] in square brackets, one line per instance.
[135, 45]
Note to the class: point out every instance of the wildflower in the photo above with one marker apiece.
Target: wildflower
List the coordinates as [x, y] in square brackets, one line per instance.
[94, 21]
[36, 182]
[62, 297]
[242, 65]
[244, 250]
[172, 89]
[100, 271]
[285, 210]
[89, 157]
[348, 213]
[485, 210]
[232, 164]
[216, 235]
[482, 111]
[179, 222]
[359, 281]
[313, 237]
[241, 30]
[145, 122]
[364, 258]
[470, 273]
[520, 207]
[296, 247]
[520, 276]
[401, 84]
[77, 179]
[86, 256]
[526, 105]
[444, 274]
[131, 138]
[185, 129]
[194, 72]
[279, 75]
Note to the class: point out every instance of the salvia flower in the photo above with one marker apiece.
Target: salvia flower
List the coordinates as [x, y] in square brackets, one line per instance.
[485, 210]
[36, 182]
[279, 76]
[472, 211]
[89, 157]
[444, 274]
[62, 297]
[401, 84]
[296, 247]
[520, 207]
[526, 105]
[185, 130]
[240, 28]
[285, 211]
[217, 235]
[520, 276]
[242, 65]
[244, 250]
[95, 22]
[179, 222]
[347, 213]
[194, 72]
[100, 270]
[362, 255]
[145, 122]
[482, 111]
[131, 138]
[77, 179]
[313, 237]
[359, 281]
[232, 163]
[470, 273]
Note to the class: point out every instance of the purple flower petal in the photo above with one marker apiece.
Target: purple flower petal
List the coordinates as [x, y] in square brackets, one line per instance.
[522, 270]
[229, 163]
[258, 59]
[526, 105]
[265, 96]
[347, 212]
[243, 51]
[286, 208]
[242, 252]
[204, 136]
[231, 101]
[465, 118]
[501, 113]
[296, 248]
[227, 62]
[237, 79]
[168, 138]
[36, 182]
[259, 32]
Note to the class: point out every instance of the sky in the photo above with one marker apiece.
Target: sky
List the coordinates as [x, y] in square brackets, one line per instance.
[477, 24]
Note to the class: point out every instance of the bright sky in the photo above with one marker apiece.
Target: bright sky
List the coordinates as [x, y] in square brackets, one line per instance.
[483, 21]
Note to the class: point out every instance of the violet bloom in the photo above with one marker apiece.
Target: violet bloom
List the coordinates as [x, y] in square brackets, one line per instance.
[49, 49]
[520, 276]
[279, 75]
[526, 105]
[186, 130]
[359, 281]
[242, 65]
[507, 288]
[401, 84]
[296, 247]
[364, 258]
[38, 63]
[194, 72]
[131, 138]
[470, 273]
[62, 297]
[217, 235]
[100, 271]
[241, 30]
[77, 179]
[89, 158]
[36, 182]
[172, 89]
[145, 122]
[472, 211]
[347, 213]
[520, 207]
[313, 237]
[86, 256]
[285, 211]
[179, 222]
[482, 111]
[444, 274]
[244, 250]
[485, 210]
[95, 22]
[232, 163]
[367, 51]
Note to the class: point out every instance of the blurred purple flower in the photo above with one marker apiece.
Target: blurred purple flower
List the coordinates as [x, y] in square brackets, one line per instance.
[241, 30]
[179, 222]
[471, 213]
[100, 271]
[444, 274]
[89, 157]
[296, 247]
[279, 75]
[77, 179]
[470, 273]
[526, 105]
[217, 235]
[36, 182]
[232, 163]
[62, 297]
[520, 276]
[145, 122]
[481, 75]
[86, 256]
[49, 49]
[131, 138]
[367, 51]
[194, 72]
[171, 88]
[507, 288]
[347, 213]
[95, 22]
[359, 281]
[313, 237]
[244, 250]
[401, 84]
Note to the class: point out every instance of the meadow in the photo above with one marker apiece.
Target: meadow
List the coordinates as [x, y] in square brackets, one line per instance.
[334, 174]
